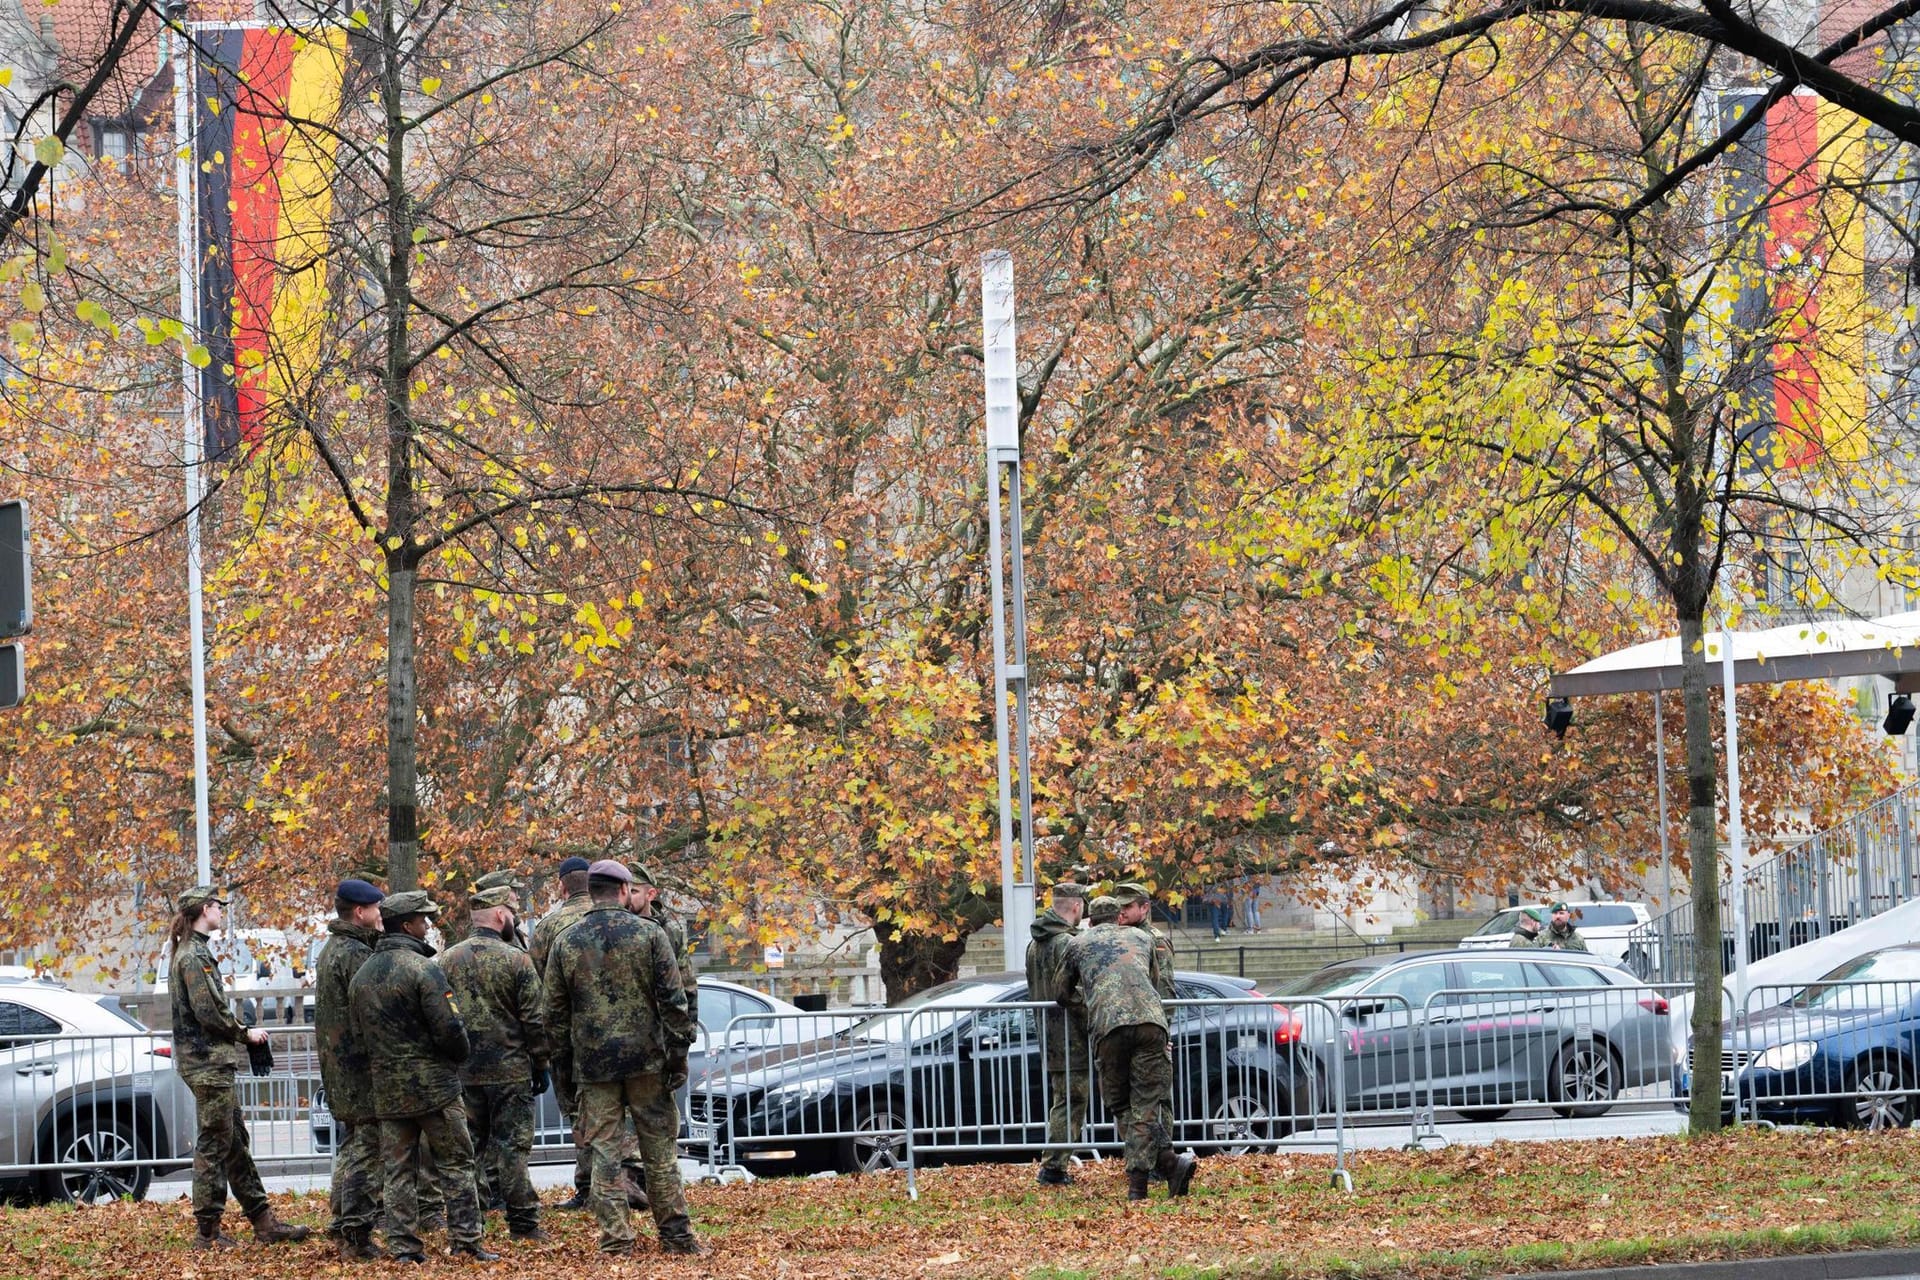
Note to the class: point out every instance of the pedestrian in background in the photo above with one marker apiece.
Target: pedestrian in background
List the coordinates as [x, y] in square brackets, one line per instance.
[404, 1012]
[207, 1048]
[501, 1004]
[346, 1072]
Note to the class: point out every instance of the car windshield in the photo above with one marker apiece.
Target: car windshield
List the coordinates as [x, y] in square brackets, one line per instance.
[1334, 980]
[1596, 916]
[1501, 924]
[1877, 981]
[890, 1025]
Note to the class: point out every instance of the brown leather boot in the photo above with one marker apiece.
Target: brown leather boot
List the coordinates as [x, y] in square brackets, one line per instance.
[686, 1245]
[207, 1234]
[268, 1229]
[1178, 1171]
[1136, 1186]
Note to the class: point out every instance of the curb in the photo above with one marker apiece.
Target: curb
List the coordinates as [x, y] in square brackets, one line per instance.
[1804, 1266]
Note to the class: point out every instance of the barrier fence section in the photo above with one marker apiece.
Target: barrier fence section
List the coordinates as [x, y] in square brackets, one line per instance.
[1839, 1052]
[949, 1079]
[1480, 1051]
[90, 1118]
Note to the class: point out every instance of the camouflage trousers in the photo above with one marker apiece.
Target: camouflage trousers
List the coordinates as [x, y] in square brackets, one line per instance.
[1136, 1078]
[221, 1155]
[569, 1098]
[1068, 1071]
[500, 1120]
[604, 1111]
[355, 1195]
[420, 1149]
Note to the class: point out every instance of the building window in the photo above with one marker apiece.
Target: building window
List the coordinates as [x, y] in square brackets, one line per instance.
[116, 145]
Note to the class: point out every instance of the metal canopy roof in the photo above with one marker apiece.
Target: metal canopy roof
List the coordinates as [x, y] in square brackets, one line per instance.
[1823, 650]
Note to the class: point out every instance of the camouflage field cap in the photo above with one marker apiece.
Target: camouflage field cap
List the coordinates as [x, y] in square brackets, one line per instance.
[643, 876]
[503, 879]
[411, 903]
[1069, 889]
[1131, 892]
[198, 896]
[1105, 907]
[481, 899]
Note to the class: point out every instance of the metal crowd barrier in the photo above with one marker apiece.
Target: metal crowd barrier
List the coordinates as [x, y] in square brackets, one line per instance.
[95, 1117]
[1837, 1052]
[972, 1079]
[1581, 1050]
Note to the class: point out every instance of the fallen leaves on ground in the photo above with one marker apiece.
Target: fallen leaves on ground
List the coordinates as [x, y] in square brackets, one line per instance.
[1456, 1212]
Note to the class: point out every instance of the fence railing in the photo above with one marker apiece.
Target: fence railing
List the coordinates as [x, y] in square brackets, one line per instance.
[1851, 872]
[1827, 1052]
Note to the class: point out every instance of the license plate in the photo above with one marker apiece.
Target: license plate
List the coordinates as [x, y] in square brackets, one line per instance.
[701, 1134]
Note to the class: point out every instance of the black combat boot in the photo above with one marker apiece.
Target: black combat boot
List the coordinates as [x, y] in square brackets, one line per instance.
[1052, 1177]
[474, 1250]
[581, 1200]
[1136, 1185]
[636, 1184]
[207, 1233]
[1178, 1170]
[686, 1245]
[358, 1246]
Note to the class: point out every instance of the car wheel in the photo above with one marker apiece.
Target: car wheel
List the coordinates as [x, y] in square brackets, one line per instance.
[1242, 1117]
[879, 1140]
[100, 1146]
[1482, 1115]
[1584, 1080]
[1882, 1095]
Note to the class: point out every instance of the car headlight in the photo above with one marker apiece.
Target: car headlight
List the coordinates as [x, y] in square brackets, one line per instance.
[793, 1095]
[1786, 1057]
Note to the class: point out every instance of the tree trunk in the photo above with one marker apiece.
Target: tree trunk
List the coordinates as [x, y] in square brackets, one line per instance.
[1703, 847]
[912, 962]
[403, 781]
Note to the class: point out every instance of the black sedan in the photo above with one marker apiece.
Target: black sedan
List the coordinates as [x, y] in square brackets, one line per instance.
[966, 1061]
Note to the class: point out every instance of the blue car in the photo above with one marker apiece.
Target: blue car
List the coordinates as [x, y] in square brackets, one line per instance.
[1841, 1051]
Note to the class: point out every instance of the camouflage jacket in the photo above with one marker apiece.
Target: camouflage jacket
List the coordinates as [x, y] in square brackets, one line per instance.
[1523, 941]
[403, 1012]
[501, 1002]
[1110, 967]
[1046, 962]
[1161, 969]
[207, 1038]
[1551, 939]
[682, 955]
[552, 925]
[345, 1069]
[615, 1007]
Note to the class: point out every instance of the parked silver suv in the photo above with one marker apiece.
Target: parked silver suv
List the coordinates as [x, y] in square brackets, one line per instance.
[85, 1086]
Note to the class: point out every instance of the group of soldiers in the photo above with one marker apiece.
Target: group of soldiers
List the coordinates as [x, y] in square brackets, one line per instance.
[1558, 934]
[431, 1064]
[1109, 984]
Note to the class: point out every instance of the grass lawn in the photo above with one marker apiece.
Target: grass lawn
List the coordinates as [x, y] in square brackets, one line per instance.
[1466, 1211]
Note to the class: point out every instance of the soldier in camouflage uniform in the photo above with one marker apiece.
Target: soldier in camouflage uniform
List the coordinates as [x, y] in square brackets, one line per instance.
[208, 1044]
[1069, 1060]
[646, 903]
[1102, 908]
[501, 1003]
[345, 1070]
[1136, 909]
[1110, 968]
[1526, 931]
[619, 1022]
[403, 1011]
[1560, 935]
[573, 879]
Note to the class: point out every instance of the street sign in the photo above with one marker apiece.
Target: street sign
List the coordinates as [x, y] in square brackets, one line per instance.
[16, 570]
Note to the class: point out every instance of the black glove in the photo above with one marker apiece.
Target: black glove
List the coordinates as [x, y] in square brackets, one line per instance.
[541, 1078]
[260, 1057]
[676, 1072]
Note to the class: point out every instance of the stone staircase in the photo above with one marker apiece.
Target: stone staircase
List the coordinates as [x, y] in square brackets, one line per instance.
[1271, 957]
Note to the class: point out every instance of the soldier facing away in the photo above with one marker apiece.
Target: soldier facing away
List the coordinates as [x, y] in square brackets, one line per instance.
[501, 1003]
[620, 1027]
[1526, 931]
[1110, 967]
[346, 1072]
[1069, 1064]
[207, 1044]
[404, 1013]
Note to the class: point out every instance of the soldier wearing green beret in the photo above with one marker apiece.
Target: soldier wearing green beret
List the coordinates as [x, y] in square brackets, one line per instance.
[207, 1045]
[1560, 935]
[1526, 931]
[1111, 968]
[403, 1010]
[1069, 1064]
[502, 1005]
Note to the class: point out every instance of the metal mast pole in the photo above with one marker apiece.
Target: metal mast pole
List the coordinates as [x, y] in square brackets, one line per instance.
[1737, 853]
[1666, 852]
[181, 49]
[1009, 626]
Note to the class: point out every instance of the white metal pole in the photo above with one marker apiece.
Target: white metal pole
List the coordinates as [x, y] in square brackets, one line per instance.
[193, 433]
[1737, 853]
[1009, 633]
[1666, 850]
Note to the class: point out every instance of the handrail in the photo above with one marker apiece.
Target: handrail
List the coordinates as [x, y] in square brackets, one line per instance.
[1852, 871]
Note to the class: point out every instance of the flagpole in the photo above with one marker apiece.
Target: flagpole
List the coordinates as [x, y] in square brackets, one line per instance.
[193, 428]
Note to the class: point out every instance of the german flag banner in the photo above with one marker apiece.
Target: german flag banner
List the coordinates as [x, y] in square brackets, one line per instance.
[1801, 301]
[265, 100]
